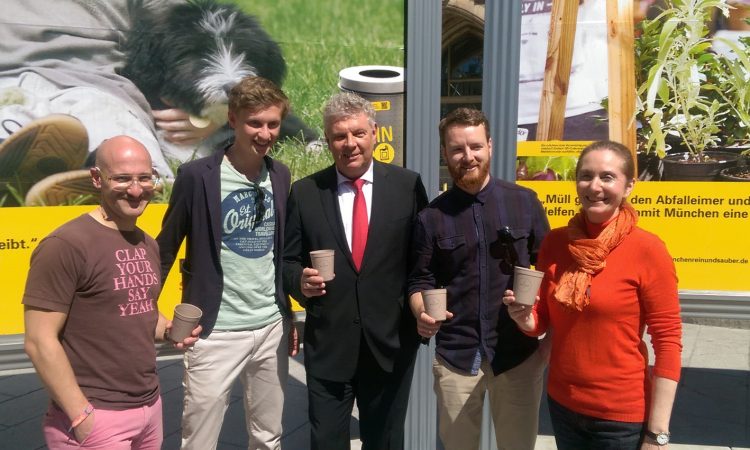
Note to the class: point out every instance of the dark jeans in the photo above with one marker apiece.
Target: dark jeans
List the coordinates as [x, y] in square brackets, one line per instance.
[574, 431]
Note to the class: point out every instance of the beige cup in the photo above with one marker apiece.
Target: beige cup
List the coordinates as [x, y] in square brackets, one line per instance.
[526, 284]
[434, 303]
[186, 317]
[322, 261]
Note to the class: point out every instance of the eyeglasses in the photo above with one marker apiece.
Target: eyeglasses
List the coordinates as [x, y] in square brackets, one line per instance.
[121, 182]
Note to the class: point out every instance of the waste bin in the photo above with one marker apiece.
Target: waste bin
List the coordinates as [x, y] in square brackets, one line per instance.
[383, 86]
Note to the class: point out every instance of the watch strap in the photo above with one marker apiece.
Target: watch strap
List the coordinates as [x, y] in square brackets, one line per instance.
[661, 438]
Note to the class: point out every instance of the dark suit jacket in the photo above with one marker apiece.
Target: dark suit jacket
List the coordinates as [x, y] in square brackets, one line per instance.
[370, 304]
[195, 212]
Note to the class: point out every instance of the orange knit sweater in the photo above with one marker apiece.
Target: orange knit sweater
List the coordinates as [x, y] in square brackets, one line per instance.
[599, 362]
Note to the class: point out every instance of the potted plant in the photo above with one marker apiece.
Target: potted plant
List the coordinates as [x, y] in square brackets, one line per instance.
[677, 100]
[733, 87]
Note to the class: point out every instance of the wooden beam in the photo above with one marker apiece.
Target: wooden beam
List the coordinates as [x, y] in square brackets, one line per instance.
[562, 34]
[621, 65]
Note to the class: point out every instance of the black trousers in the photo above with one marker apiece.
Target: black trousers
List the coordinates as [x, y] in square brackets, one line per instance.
[574, 431]
[382, 399]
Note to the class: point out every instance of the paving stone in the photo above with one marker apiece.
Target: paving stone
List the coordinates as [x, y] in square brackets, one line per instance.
[544, 442]
[295, 409]
[690, 335]
[16, 385]
[228, 446]
[695, 447]
[233, 431]
[18, 410]
[172, 412]
[23, 436]
[172, 441]
[721, 348]
[170, 375]
[711, 407]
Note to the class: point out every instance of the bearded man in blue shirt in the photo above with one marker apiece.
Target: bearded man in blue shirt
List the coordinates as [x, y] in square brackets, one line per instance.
[467, 241]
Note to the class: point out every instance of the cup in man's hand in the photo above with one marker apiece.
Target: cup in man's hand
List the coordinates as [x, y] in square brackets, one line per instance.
[186, 318]
[322, 261]
[435, 303]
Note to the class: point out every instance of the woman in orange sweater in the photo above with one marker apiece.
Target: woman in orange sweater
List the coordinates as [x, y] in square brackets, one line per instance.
[605, 280]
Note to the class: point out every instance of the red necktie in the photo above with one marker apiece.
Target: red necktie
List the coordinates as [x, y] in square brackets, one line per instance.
[359, 224]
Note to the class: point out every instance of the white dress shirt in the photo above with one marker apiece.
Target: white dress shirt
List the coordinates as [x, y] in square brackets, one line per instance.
[346, 192]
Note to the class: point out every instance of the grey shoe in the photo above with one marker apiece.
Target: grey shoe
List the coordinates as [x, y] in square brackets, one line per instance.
[53, 144]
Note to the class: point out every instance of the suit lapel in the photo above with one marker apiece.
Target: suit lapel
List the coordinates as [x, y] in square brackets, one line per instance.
[212, 191]
[330, 208]
[378, 209]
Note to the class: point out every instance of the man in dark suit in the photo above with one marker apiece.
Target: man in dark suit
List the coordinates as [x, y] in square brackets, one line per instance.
[360, 339]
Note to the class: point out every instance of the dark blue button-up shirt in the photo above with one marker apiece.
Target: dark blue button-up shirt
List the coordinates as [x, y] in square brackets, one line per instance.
[469, 244]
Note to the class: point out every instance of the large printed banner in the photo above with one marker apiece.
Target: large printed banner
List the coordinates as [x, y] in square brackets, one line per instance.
[703, 223]
[22, 230]
[158, 70]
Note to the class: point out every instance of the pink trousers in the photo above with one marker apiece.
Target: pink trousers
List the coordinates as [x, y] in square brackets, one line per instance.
[131, 429]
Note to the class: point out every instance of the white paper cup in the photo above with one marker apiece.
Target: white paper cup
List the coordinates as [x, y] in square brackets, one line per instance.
[322, 261]
[435, 303]
[186, 318]
[526, 284]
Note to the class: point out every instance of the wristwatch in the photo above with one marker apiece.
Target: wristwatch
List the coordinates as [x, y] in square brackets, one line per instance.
[660, 438]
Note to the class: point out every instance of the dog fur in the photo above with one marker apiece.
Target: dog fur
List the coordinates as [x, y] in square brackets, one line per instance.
[189, 55]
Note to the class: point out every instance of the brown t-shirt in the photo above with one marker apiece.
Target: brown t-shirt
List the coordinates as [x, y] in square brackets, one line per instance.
[107, 281]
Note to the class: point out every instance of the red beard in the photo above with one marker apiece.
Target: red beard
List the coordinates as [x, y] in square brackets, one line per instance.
[469, 181]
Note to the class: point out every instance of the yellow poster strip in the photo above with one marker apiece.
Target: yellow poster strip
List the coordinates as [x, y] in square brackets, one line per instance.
[704, 225]
[22, 230]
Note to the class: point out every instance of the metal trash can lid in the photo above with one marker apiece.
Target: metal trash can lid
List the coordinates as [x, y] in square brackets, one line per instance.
[372, 79]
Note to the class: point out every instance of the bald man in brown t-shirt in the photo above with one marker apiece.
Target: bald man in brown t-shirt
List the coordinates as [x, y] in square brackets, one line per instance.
[91, 316]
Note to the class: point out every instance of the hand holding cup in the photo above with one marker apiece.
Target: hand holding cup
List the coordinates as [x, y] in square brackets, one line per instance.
[520, 313]
[185, 321]
[322, 261]
[435, 303]
[526, 284]
[311, 283]
[434, 312]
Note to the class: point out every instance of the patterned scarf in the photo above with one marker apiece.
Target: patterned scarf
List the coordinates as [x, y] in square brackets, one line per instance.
[589, 255]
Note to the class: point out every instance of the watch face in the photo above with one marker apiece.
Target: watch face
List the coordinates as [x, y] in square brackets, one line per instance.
[662, 439]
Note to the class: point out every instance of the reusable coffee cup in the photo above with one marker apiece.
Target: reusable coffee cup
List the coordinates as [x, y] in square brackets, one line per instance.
[434, 303]
[186, 317]
[526, 284]
[322, 261]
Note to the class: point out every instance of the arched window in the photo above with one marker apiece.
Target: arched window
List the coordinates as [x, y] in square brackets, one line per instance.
[461, 79]
[462, 62]
[463, 55]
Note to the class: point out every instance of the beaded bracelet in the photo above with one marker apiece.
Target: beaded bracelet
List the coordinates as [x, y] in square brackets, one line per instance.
[83, 416]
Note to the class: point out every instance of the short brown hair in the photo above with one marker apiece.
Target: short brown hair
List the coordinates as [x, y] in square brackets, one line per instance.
[628, 166]
[255, 94]
[467, 117]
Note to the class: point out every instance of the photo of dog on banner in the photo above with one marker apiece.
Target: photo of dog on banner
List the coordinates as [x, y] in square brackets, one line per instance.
[76, 73]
